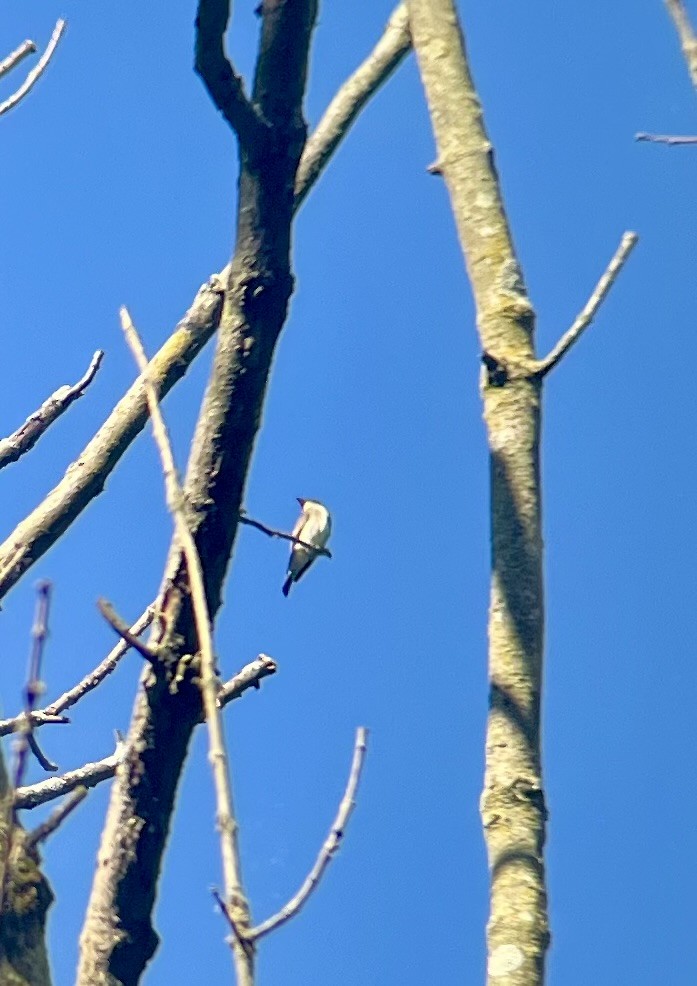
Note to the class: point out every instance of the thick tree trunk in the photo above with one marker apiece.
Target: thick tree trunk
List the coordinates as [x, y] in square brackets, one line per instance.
[513, 810]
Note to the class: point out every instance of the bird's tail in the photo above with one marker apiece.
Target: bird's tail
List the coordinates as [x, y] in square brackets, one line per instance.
[287, 584]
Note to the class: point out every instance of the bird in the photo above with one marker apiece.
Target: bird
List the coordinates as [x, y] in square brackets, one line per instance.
[314, 525]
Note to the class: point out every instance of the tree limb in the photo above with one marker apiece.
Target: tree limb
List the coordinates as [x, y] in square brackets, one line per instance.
[340, 115]
[686, 35]
[36, 73]
[329, 848]
[586, 316]
[86, 477]
[123, 630]
[273, 533]
[224, 86]
[56, 818]
[16, 56]
[89, 775]
[228, 827]
[249, 677]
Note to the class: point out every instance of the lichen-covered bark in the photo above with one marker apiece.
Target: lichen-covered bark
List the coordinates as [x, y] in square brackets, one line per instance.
[513, 810]
[118, 937]
[25, 897]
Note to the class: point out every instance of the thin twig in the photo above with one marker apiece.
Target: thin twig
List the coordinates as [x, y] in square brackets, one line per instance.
[52, 713]
[26, 437]
[225, 911]
[36, 72]
[16, 56]
[249, 677]
[34, 686]
[273, 533]
[331, 844]
[350, 100]
[122, 628]
[56, 818]
[227, 823]
[586, 316]
[48, 765]
[89, 775]
[686, 35]
[671, 140]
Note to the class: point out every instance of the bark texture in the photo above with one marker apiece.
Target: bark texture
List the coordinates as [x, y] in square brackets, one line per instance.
[118, 936]
[513, 809]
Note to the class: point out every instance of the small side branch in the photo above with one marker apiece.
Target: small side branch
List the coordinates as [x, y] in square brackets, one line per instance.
[344, 108]
[331, 844]
[671, 140]
[36, 72]
[26, 742]
[56, 818]
[273, 533]
[26, 437]
[586, 316]
[16, 56]
[249, 677]
[124, 631]
[88, 775]
[213, 66]
[686, 35]
[53, 713]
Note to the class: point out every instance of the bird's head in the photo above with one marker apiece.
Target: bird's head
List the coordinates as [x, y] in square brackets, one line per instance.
[301, 501]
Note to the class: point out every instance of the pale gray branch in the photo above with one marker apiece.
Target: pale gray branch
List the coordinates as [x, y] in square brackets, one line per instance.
[15, 57]
[586, 316]
[88, 775]
[331, 844]
[26, 437]
[36, 73]
[344, 108]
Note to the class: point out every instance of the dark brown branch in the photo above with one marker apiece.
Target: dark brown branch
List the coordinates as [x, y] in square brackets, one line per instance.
[48, 765]
[224, 86]
[124, 631]
[331, 844]
[34, 687]
[249, 677]
[56, 818]
[86, 477]
[344, 108]
[16, 56]
[26, 437]
[273, 533]
[672, 141]
[36, 72]
[88, 775]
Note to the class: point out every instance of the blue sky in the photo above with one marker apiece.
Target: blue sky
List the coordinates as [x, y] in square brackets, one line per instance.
[119, 186]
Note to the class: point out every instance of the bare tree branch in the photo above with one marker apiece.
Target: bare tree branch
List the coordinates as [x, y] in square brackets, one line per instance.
[331, 844]
[121, 627]
[671, 140]
[86, 477]
[36, 73]
[686, 35]
[249, 677]
[34, 687]
[89, 775]
[224, 86]
[16, 56]
[586, 316]
[26, 437]
[273, 533]
[56, 818]
[344, 108]
[52, 713]
[228, 827]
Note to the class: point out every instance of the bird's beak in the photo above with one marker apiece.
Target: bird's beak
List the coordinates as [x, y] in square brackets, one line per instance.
[300, 501]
